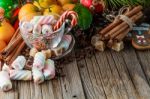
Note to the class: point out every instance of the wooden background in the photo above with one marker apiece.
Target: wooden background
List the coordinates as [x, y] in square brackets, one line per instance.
[106, 75]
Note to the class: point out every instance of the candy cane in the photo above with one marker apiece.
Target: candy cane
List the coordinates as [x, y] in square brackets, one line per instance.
[73, 15]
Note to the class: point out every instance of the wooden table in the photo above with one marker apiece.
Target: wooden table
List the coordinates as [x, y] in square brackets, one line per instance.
[107, 75]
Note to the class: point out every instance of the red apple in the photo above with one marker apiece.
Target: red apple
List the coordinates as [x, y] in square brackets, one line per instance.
[93, 5]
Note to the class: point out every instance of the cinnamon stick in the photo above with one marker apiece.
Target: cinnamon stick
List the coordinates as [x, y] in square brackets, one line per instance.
[121, 36]
[123, 26]
[14, 36]
[11, 46]
[8, 58]
[117, 22]
[18, 51]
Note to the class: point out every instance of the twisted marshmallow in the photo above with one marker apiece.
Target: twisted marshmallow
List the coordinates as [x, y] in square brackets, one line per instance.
[49, 70]
[66, 40]
[27, 26]
[38, 76]
[19, 63]
[47, 29]
[39, 60]
[5, 82]
[37, 30]
[40, 20]
[5, 68]
[24, 75]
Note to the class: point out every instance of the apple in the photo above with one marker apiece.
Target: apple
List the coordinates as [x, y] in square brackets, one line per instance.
[93, 5]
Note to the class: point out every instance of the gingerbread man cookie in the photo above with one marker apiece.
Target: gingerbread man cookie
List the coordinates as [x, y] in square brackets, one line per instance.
[141, 37]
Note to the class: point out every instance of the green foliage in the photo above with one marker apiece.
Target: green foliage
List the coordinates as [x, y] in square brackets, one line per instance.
[114, 4]
[84, 16]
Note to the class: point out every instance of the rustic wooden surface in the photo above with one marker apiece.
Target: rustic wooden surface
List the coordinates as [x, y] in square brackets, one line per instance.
[106, 75]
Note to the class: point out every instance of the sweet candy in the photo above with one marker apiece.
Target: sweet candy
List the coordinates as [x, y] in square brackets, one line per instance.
[39, 60]
[33, 51]
[5, 68]
[57, 51]
[27, 26]
[5, 82]
[95, 38]
[37, 30]
[38, 76]
[47, 29]
[64, 16]
[141, 37]
[39, 44]
[118, 46]
[49, 69]
[66, 40]
[100, 46]
[19, 63]
[97, 43]
[24, 75]
[48, 53]
[40, 20]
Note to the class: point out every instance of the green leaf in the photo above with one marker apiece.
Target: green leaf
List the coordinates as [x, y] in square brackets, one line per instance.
[84, 16]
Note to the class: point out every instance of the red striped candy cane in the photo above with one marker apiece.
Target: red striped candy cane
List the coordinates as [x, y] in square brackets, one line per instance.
[67, 14]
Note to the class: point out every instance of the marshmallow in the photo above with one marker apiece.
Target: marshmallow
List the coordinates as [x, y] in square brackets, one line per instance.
[47, 29]
[24, 75]
[19, 63]
[38, 76]
[39, 60]
[49, 69]
[5, 82]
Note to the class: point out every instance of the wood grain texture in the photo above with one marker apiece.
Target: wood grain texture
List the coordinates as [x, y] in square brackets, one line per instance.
[71, 83]
[136, 73]
[105, 75]
[91, 79]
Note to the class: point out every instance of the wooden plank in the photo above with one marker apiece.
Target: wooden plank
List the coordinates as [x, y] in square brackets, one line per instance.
[124, 75]
[24, 90]
[47, 90]
[13, 94]
[91, 79]
[120, 85]
[144, 59]
[95, 76]
[57, 90]
[136, 73]
[71, 83]
[36, 91]
[9, 95]
[108, 79]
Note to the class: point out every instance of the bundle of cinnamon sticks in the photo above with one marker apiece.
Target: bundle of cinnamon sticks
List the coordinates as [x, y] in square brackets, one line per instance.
[13, 48]
[117, 30]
